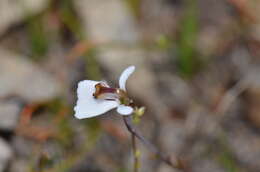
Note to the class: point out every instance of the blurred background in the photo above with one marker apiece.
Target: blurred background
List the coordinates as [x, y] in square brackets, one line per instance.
[197, 74]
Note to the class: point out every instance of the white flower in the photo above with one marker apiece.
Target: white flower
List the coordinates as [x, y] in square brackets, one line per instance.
[96, 97]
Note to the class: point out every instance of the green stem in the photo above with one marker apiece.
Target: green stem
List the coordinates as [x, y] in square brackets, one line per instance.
[135, 153]
[177, 164]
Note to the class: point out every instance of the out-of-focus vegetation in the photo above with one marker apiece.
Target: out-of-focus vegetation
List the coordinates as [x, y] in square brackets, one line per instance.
[186, 43]
[190, 86]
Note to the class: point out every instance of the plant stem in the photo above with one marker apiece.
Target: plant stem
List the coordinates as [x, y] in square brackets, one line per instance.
[136, 158]
[129, 125]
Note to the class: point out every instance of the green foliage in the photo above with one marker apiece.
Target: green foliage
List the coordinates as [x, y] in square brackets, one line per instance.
[37, 36]
[135, 7]
[227, 161]
[92, 128]
[164, 42]
[65, 133]
[122, 170]
[55, 105]
[69, 18]
[92, 67]
[226, 158]
[187, 39]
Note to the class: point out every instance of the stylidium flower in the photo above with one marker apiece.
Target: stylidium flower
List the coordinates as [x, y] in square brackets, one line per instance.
[96, 97]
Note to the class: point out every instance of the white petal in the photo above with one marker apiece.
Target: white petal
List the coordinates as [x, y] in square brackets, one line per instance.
[87, 106]
[124, 110]
[124, 76]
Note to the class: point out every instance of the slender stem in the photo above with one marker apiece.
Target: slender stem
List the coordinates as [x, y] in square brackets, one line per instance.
[136, 158]
[129, 125]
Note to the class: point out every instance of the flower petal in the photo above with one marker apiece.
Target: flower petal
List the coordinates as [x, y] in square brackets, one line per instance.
[124, 76]
[124, 110]
[87, 106]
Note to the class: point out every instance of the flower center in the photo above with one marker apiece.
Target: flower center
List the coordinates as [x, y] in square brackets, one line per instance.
[113, 94]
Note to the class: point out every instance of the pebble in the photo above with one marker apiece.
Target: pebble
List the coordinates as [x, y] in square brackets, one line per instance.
[25, 79]
[5, 155]
[9, 114]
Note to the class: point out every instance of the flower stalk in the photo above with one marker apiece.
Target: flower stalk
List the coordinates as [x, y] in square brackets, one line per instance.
[135, 153]
[179, 164]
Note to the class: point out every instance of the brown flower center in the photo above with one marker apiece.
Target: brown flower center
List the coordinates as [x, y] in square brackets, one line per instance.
[106, 93]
